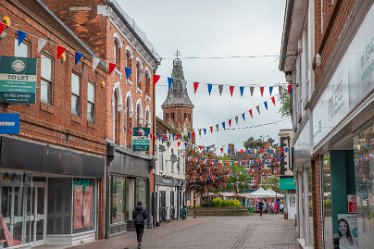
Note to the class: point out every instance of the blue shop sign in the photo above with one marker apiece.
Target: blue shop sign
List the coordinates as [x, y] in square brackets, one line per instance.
[9, 123]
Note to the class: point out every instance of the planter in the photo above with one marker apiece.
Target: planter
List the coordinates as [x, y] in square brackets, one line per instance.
[218, 212]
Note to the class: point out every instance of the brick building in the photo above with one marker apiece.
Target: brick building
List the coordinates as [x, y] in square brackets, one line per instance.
[327, 49]
[113, 35]
[52, 171]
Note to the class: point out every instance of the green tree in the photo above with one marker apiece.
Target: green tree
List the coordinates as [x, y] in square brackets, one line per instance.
[271, 182]
[252, 143]
[238, 180]
[285, 98]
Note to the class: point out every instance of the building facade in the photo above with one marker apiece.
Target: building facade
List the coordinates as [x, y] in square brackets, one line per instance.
[327, 52]
[170, 174]
[52, 171]
[113, 35]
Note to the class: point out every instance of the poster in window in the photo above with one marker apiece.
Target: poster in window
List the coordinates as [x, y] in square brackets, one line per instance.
[78, 207]
[347, 232]
[87, 211]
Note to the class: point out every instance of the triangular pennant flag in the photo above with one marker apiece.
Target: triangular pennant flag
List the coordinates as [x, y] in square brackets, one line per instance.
[232, 90]
[111, 67]
[170, 82]
[189, 135]
[193, 134]
[211, 129]
[41, 44]
[224, 125]
[185, 145]
[95, 62]
[220, 88]
[195, 86]
[21, 36]
[289, 89]
[236, 119]
[200, 132]
[156, 77]
[78, 57]
[60, 51]
[249, 151]
[127, 72]
[251, 89]
[2, 27]
[210, 86]
[250, 112]
[262, 90]
[241, 90]
[217, 127]
[173, 135]
[230, 122]
[243, 116]
[179, 143]
[258, 109]
[273, 100]
[228, 150]
[266, 104]
[221, 149]
[270, 90]
[204, 131]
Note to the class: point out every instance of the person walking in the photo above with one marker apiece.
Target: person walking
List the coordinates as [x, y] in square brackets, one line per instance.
[139, 215]
[260, 206]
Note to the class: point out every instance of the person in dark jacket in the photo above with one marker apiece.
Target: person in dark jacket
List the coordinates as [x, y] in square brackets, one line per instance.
[139, 215]
[260, 206]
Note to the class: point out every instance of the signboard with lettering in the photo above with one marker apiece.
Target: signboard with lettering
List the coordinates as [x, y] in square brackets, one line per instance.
[140, 139]
[352, 204]
[9, 123]
[17, 80]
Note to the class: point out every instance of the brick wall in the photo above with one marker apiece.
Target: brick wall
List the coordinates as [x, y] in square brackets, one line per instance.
[317, 203]
[328, 28]
[179, 113]
[55, 123]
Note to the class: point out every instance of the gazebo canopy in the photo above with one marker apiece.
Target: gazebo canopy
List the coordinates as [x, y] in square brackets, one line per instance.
[273, 193]
[260, 193]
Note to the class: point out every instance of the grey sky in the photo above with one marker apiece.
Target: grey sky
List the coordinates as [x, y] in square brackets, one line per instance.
[218, 28]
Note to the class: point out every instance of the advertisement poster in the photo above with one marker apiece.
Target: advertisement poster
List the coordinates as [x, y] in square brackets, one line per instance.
[87, 211]
[78, 207]
[140, 139]
[347, 232]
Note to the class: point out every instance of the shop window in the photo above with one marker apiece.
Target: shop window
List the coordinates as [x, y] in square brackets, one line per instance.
[327, 201]
[364, 173]
[83, 205]
[59, 206]
[130, 200]
[117, 201]
[141, 193]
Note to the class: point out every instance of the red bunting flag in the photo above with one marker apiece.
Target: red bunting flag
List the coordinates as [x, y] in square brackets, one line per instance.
[111, 67]
[60, 51]
[193, 134]
[211, 129]
[179, 143]
[195, 86]
[232, 90]
[221, 149]
[262, 91]
[250, 112]
[273, 100]
[156, 77]
[2, 27]
[150, 136]
[230, 122]
[289, 88]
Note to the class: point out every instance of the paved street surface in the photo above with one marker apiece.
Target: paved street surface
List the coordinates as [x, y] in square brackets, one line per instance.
[253, 232]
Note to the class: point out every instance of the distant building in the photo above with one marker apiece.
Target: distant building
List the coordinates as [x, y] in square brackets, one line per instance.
[286, 136]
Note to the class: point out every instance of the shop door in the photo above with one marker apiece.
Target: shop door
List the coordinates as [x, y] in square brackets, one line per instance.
[291, 205]
[172, 207]
[162, 210]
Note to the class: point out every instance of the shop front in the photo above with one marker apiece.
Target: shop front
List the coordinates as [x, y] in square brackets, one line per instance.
[343, 121]
[128, 183]
[48, 194]
[171, 198]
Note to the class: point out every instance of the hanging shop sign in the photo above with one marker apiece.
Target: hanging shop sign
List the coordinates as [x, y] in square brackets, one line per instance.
[140, 139]
[17, 80]
[352, 204]
[9, 123]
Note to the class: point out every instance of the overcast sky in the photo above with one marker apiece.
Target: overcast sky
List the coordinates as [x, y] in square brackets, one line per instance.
[218, 28]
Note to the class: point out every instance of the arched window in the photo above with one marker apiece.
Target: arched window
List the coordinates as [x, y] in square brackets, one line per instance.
[128, 122]
[147, 83]
[139, 74]
[117, 52]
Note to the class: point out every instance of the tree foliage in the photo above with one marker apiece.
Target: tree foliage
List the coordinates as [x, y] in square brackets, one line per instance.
[238, 181]
[252, 143]
[286, 109]
[271, 183]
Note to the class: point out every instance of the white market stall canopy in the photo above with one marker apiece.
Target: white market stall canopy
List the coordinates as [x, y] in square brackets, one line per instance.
[260, 193]
[273, 193]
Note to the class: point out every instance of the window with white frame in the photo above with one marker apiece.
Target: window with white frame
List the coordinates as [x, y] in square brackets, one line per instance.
[23, 50]
[46, 79]
[75, 94]
[147, 83]
[116, 52]
[138, 74]
[91, 102]
[161, 161]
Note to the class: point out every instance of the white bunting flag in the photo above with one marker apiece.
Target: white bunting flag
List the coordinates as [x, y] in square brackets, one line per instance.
[41, 44]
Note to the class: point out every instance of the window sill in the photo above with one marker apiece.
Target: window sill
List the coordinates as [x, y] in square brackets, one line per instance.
[47, 108]
[76, 119]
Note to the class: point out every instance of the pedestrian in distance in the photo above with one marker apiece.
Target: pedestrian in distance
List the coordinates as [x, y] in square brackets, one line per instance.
[139, 215]
[260, 206]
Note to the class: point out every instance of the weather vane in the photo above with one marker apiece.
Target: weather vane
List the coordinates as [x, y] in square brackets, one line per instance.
[177, 54]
